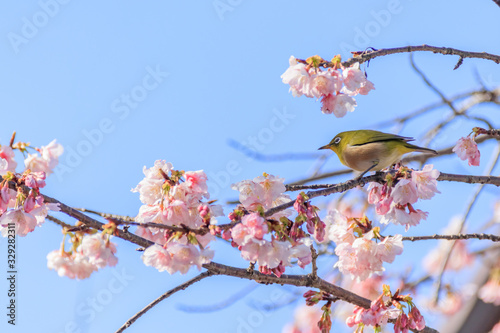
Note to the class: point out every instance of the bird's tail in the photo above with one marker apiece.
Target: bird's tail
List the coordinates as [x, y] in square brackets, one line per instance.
[421, 149]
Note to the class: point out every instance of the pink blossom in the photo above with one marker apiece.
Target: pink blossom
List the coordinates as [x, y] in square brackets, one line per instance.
[197, 181]
[7, 198]
[380, 195]
[36, 164]
[22, 222]
[490, 291]
[426, 181]
[150, 188]
[274, 253]
[265, 191]
[176, 212]
[74, 266]
[297, 76]
[339, 228]
[389, 248]
[404, 192]
[99, 252]
[466, 148]
[50, 153]
[324, 83]
[149, 213]
[256, 225]
[303, 254]
[7, 162]
[252, 228]
[415, 319]
[338, 104]
[158, 257]
[377, 315]
[358, 259]
[355, 81]
[186, 255]
[398, 215]
[35, 179]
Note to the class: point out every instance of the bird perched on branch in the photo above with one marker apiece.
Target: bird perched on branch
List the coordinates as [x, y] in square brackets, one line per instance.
[367, 150]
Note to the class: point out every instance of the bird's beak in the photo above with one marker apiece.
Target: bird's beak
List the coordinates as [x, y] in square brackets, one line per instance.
[324, 147]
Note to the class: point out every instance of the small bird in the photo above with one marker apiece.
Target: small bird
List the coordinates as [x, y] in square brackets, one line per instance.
[365, 150]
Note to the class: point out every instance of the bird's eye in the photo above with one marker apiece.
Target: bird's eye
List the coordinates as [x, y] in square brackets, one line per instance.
[337, 140]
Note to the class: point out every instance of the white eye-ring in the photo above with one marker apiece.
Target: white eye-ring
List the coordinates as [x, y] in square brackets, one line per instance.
[337, 140]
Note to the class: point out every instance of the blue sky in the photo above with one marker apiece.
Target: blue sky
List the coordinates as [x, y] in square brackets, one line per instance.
[122, 84]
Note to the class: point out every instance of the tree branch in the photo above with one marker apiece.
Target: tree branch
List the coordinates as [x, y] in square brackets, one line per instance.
[362, 57]
[162, 297]
[494, 238]
[295, 280]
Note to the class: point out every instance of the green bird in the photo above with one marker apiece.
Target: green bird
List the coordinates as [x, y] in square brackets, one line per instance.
[365, 150]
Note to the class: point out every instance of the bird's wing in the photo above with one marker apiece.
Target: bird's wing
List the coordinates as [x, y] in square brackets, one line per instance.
[376, 136]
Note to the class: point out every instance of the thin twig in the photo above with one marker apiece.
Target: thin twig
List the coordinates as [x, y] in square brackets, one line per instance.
[494, 238]
[430, 85]
[107, 215]
[162, 297]
[364, 56]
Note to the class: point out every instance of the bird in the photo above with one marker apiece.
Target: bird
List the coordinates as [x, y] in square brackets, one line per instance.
[368, 150]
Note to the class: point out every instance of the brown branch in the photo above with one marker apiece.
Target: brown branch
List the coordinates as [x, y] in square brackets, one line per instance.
[362, 57]
[91, 223]
[379, 177]
[494, 238]
[295, 280]
[162, 297]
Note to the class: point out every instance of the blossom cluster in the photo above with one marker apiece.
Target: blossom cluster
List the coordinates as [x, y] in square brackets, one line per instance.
[268, 242]
[385, 307]
[395, 204]
[92, 253]
[175, 198]
[359, 254]
[263, 192]
[334, 86]
[466, 149]
[19, 211]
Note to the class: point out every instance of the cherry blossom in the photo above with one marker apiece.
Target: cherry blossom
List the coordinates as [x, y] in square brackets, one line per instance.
[360, 256]
[264, 191]
[311, 81]
[355, 81]
[100, 252]
[35, 179]
[47, 160]
[74, 266]
[150, 188]
[377, 315]
[466, 149]
[176, 257]
[7, 162]
[426, 181]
